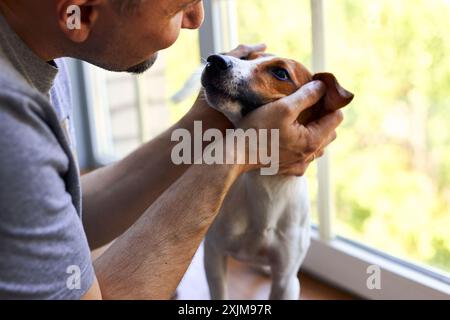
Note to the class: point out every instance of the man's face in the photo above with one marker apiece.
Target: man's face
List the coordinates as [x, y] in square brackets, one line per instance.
[130, 40]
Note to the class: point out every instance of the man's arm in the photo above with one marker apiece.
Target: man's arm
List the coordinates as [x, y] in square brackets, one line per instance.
[114, 197]
[150, 258]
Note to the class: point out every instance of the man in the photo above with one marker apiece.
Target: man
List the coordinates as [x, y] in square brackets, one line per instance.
[157, 212]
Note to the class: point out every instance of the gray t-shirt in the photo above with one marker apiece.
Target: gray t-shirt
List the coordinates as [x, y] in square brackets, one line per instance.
[44, 252]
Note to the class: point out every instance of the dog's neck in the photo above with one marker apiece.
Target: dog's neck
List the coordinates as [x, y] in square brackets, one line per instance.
[232, 115]
[273, 189]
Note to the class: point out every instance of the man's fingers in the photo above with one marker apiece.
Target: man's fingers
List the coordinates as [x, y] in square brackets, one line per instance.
[245, 50]
[325, 126]
[331, 137]
[255, 48]
[316, 155]
[305, 97]
[320, 153]
[297, 169]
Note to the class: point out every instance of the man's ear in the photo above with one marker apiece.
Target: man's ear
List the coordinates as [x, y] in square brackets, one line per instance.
[76, 18]
[336, 97]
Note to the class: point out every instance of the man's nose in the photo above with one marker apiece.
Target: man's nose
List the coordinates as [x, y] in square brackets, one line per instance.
[219, 62]
[193, 17]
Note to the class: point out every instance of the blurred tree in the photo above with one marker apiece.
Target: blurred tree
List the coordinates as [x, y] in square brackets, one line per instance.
[391, 163]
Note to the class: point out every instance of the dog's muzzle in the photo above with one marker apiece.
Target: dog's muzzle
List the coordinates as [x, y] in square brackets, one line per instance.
[219, 63]
[216, 72]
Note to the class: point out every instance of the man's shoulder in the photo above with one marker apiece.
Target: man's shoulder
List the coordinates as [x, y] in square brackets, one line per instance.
[10, 78]
[17, 97]
[15, 89]
[25, 116]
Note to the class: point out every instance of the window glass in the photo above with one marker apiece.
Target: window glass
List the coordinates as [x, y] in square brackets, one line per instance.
[391, 164]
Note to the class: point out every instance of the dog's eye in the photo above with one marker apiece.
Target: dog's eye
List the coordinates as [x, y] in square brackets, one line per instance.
[280, 74]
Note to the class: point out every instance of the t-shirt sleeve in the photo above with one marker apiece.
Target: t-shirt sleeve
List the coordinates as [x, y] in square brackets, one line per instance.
[44, 252]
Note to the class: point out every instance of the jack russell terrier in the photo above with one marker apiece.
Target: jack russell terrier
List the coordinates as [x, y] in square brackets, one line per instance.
[264, 220]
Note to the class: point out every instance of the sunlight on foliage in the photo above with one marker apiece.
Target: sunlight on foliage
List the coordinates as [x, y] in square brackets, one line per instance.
[391, 162]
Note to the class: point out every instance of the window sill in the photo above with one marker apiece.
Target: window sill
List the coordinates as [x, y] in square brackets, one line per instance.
[345, 266]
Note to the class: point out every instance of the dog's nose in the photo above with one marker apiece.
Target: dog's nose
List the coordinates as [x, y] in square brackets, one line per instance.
[219, 62]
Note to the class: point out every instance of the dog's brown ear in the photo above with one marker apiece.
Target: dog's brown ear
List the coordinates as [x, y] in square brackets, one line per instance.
[336, 97]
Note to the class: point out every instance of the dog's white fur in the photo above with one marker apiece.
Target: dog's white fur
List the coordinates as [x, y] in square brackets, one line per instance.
[242, 71]
[264, 220]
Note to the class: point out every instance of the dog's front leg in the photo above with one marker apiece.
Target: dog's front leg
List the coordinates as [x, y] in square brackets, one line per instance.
[285, 267]
[285, 286]
[215, 267]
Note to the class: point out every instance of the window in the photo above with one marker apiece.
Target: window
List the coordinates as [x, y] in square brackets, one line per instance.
[381, 195]
[391, 166]
[388, 173]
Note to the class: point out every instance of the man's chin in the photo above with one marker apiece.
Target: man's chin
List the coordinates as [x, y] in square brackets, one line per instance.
[143, 66]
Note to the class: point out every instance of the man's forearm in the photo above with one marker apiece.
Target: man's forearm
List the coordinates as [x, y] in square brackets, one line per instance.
[149, 260]
[114, 197]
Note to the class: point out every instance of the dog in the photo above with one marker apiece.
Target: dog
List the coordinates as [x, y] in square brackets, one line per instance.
[264, 220]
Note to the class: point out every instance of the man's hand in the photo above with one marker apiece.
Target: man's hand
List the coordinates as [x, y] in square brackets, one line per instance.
[299, 144]
[243, 51]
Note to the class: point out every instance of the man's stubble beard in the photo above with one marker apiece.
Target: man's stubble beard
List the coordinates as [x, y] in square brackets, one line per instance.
[143, 66]
[106, 63]
[105, 54]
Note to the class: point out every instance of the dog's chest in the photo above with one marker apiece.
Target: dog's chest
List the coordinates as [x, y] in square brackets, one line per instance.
[262, 214]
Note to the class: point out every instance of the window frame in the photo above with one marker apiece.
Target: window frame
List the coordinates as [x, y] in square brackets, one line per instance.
[82, 82]
[344, 264]
[332, 258]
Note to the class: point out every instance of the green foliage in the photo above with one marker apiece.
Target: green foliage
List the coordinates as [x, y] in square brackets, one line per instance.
[391, 162]
[441, 256]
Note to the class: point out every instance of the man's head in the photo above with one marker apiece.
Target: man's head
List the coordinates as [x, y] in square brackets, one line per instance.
[117, 35]
[126, 35]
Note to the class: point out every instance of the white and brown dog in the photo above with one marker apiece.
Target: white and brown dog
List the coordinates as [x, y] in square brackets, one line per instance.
[264, 220]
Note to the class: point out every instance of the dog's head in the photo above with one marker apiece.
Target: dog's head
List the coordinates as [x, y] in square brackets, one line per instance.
[236, 87]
